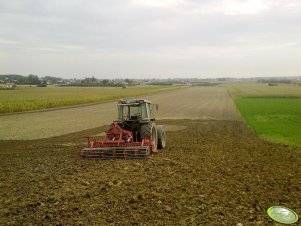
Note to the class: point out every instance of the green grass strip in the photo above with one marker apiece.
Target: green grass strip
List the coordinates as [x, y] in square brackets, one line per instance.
[274, 119]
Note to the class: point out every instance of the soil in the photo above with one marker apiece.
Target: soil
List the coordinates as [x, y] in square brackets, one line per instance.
[211, 173]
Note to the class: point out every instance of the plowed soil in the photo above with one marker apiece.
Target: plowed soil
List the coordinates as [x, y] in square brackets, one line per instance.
[211, 173]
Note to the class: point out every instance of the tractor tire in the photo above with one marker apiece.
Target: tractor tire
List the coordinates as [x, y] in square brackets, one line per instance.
[149, 131]
[161, 137]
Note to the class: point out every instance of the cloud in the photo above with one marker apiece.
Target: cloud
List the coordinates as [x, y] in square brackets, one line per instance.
[249, 7]
[158, 3]
[133, 37]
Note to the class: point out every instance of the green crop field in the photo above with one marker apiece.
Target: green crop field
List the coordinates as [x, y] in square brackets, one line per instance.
[274, 119]
[263, 90]
[26, 98]
[273, 112]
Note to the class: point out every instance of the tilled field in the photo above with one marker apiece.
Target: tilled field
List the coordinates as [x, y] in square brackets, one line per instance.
[211, 173]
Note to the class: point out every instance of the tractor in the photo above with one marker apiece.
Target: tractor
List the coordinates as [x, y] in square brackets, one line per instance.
[133, 136]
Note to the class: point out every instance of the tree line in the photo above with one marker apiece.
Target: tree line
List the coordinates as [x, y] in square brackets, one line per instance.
[28, 80]
[46, 80]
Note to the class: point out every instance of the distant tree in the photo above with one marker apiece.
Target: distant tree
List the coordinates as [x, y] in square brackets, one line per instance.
[130, 82]
[42, 84]
[19, 79]
[22, 80]
[33, 80]
[89, 80]
[105, 81]
[51, 79]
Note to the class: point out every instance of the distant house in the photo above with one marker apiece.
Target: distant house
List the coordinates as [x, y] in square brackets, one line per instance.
[7, 85]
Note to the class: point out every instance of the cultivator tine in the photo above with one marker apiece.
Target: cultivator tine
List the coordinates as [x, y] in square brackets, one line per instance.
[116, 153]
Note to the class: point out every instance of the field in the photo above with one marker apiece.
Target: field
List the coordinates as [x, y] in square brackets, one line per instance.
[275, 119]
[204, 103]
[214, 171]
[273, 112]
[26, 98]
[263, 90]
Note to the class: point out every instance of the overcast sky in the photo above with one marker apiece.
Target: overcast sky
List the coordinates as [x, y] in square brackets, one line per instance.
[150, 38]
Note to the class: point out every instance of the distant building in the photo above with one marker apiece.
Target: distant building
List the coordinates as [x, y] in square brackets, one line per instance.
[7, 85]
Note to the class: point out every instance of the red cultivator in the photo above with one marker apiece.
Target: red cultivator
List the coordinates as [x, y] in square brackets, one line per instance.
[133, 136]
[118, 144]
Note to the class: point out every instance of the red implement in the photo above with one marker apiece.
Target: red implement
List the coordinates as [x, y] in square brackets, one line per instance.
[118, 144]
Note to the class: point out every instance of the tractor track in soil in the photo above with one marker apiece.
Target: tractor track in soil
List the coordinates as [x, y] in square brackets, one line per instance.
[213, 172]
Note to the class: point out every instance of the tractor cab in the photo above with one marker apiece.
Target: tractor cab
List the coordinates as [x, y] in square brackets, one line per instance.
[134, 110]
[133, 115]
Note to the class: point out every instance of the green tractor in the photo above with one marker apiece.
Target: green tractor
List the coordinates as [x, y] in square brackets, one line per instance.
[134, 135]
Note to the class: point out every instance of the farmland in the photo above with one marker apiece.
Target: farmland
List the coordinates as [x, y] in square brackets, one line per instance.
[214, 171]
[26, 98]
[275, 119]
[273, 112]
[204, 103]
[263, 90]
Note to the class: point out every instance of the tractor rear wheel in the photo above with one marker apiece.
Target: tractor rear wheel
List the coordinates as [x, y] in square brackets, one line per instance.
[149, 131]
[161, 137]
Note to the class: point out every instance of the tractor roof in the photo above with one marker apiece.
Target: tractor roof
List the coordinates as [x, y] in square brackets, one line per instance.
[133, 102]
